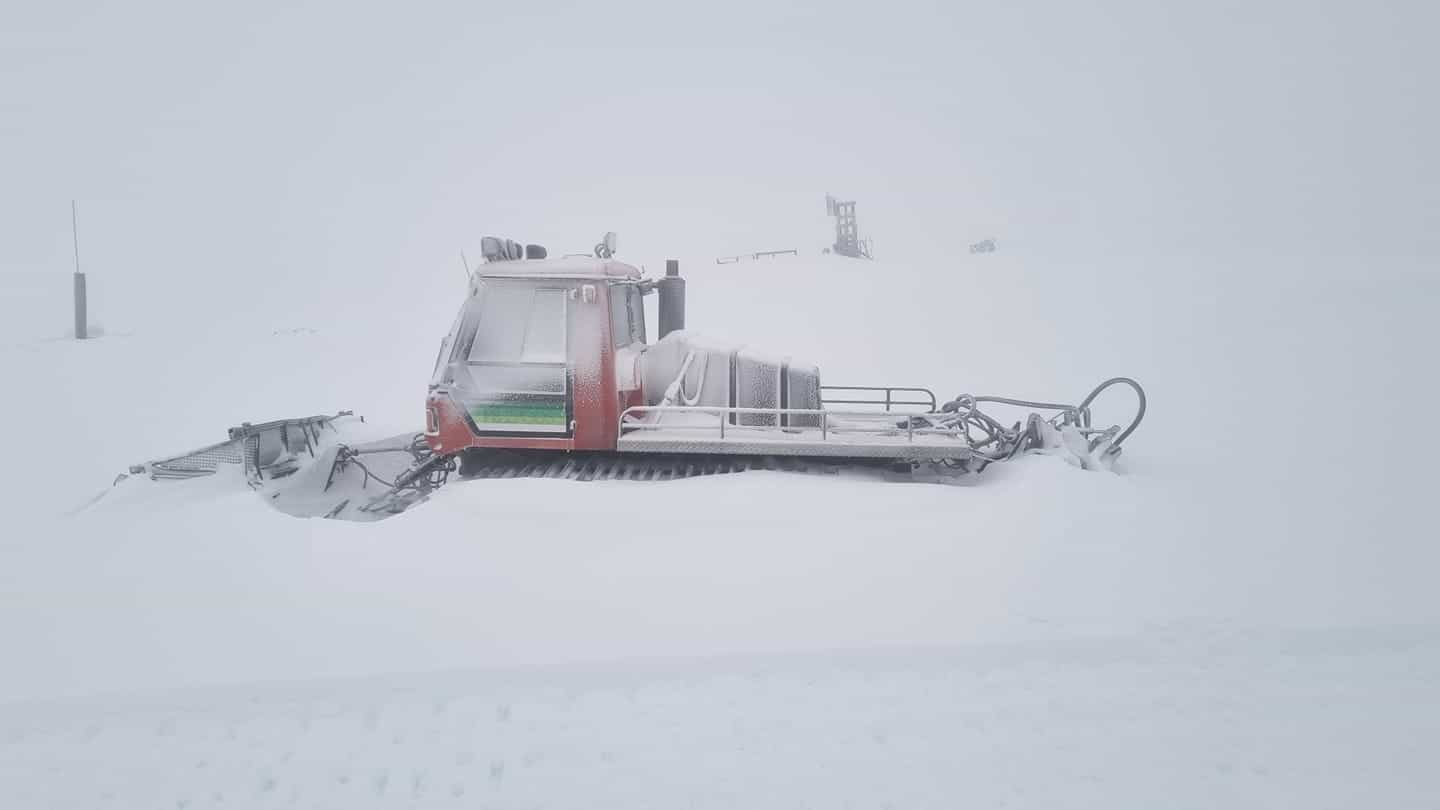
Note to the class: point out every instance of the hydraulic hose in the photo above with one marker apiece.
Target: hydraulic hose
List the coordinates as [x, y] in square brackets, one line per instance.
[1139, 411]
[966, 412]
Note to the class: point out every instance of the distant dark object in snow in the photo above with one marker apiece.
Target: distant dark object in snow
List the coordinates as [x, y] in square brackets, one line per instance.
[847, 229]
[983, 246]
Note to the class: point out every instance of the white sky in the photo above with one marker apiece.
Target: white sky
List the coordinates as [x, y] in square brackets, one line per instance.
[294, 145]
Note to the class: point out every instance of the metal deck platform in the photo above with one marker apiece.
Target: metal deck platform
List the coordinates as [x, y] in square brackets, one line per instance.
[787, 432]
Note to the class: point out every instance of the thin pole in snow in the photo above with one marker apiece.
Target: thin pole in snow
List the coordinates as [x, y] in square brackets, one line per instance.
[465, 262]
[81, 318]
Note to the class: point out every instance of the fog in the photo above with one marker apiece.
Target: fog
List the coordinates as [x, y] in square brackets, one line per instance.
[1234, 203]
[243, 161]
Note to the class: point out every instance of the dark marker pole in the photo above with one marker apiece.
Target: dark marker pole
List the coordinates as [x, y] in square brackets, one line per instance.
[80, 320]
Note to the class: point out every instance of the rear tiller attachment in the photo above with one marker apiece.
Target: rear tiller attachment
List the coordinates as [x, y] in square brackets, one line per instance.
[1070, 429]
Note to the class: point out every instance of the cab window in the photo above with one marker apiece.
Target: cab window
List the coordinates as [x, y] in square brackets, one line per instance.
[627, 315]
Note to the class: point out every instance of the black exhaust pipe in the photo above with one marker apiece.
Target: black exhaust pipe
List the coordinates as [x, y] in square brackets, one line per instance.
[672, 298]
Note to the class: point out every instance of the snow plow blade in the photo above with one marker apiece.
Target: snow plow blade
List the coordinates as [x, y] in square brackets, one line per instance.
[267, 449]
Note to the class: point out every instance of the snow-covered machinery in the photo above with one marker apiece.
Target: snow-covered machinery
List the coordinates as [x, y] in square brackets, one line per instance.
[548, 372]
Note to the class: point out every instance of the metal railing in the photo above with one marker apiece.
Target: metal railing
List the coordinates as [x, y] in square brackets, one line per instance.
[889, 399]
[829, 422]
[761, 254]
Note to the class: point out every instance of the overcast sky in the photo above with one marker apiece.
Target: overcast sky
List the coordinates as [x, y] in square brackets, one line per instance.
[294, 145]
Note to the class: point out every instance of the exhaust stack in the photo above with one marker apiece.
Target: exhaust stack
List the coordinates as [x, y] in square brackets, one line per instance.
[672, 298]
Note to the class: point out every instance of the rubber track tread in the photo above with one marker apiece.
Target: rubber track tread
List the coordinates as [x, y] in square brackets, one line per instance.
[645, 467]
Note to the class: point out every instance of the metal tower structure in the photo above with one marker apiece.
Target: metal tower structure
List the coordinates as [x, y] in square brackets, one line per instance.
[847, 229]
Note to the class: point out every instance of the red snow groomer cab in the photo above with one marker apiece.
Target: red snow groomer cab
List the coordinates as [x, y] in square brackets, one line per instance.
[535, 357]
[548, 371]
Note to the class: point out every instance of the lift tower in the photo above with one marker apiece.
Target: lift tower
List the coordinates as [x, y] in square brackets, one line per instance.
[847, 229]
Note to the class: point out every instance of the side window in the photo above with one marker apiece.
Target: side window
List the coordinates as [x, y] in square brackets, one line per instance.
[619, 320]
[637, 315]
[627, 315]
[447, 344]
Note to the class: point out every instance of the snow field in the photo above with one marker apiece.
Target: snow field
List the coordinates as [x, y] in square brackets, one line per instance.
[1245, 617]
[1197, 716]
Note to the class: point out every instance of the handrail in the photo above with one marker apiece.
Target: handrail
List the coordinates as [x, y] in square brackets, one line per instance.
[956, 421]
[889, 401]
[890, 426]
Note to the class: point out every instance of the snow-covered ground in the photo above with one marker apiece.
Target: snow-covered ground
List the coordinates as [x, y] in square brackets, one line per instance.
[1194, 716]
[1246, 616]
